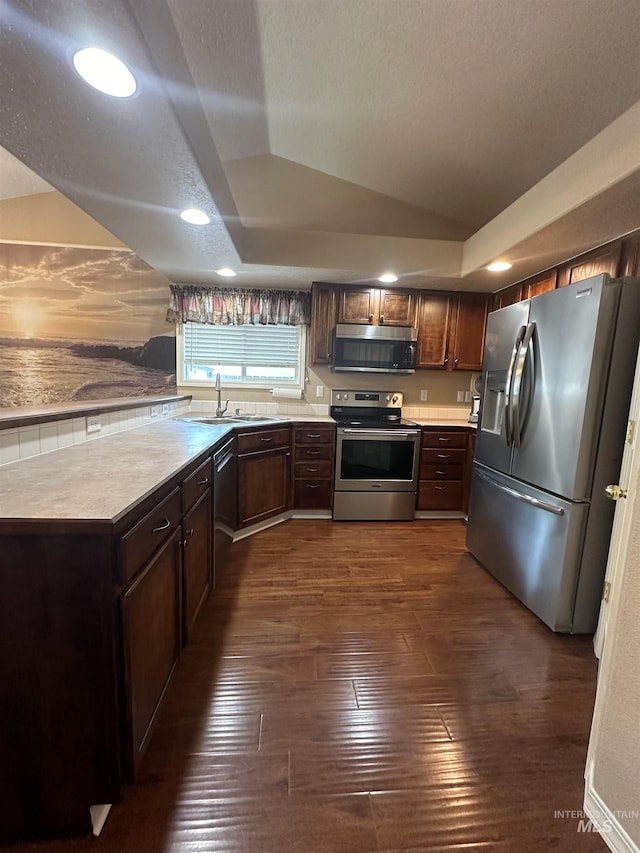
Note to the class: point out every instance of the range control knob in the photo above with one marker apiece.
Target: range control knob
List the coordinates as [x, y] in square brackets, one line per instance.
[394, 399]
[345, 396]
[388, 398]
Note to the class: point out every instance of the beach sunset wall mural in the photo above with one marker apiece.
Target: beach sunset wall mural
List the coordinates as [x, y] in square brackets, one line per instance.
[81, 324]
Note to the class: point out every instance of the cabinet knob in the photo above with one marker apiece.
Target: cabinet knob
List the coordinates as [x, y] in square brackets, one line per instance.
[455, 361]
[446, 361]
[371, 318]
[190, 532]
[165, 524]
[382, 319]
[203, 481]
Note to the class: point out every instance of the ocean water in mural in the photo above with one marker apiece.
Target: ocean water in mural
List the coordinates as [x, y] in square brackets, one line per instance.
[81, 324]
[57, 371]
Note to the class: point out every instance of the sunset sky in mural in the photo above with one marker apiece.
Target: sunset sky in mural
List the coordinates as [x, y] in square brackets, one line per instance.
[81, 294]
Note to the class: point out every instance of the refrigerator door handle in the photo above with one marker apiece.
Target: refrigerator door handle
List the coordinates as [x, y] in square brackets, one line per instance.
[523, 356]
[508, 388]
[556, 510]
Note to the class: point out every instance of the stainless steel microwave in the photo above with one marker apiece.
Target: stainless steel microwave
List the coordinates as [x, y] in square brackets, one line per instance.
[375, 349]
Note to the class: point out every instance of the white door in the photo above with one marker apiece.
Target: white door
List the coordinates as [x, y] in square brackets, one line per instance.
[623, 516]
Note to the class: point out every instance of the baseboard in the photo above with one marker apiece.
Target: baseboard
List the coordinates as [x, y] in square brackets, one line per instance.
[261, 525]
[607, 822]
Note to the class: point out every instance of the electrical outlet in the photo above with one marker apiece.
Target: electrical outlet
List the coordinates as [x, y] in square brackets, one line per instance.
[93, 424]
[165, 408]
[154, 411]
[460, 396]
[424, 395]
[319, 390]
[467, 396]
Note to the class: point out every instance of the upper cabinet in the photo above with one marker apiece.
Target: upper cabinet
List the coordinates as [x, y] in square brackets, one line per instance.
[376, 306]
[604, 259]
[540, 284]
[323, 322]
[451, 329]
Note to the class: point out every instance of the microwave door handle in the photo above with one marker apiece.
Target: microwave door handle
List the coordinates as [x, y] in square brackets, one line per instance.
[508, 388]
[516, 412]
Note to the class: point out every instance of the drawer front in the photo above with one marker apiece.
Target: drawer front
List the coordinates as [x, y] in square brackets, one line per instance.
[312, 494]
[251, 442]
[196, 484]
[434, 494]
[441, 472]
[320, 470]
[444, 439]
[442, 456]
[313, 453]
[147, 536]
[314, 435]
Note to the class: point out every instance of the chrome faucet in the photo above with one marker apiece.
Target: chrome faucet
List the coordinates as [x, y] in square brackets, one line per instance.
[219, 410]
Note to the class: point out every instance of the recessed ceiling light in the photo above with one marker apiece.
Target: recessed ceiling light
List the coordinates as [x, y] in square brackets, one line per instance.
[194, 216]
[105, 72]
[226, 272]
[388, 278]
[499, 266]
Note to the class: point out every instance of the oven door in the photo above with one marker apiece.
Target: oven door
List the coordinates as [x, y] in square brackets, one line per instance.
[377, 460]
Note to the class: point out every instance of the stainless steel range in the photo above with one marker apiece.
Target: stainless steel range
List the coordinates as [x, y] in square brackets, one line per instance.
[377, 457]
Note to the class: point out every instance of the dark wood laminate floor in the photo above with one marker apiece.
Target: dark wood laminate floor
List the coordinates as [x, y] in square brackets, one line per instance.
[357, 688]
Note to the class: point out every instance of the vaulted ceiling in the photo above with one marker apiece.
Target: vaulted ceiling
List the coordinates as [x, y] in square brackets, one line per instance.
[333, 139]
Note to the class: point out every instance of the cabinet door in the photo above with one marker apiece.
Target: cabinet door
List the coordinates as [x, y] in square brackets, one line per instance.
[263, 485]
[359, 305]
[604, 259]
[540, 284]
[397, 308]
[151, 622]
[470, 327]
[196, 566]
[435, 315]
[507, 296]
[323, 322]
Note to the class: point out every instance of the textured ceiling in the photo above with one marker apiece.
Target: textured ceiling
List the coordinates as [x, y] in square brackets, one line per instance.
[334, 139]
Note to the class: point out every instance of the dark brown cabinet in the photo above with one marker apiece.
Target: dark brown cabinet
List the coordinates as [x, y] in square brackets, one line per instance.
[539, 284]
[604, 259]
[197, 570]
[313, 466]
[376, 306]
[151, 642]
[264, 458]
[444, 470]
[323, 323]
[451, 329]
[197, 560]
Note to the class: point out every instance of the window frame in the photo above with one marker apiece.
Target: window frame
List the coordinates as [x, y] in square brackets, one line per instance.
[253, 384]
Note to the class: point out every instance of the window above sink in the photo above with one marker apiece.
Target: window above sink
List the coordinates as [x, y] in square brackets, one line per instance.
[245, 356]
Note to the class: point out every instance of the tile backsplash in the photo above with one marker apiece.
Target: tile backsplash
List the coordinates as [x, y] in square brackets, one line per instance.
[22, 442]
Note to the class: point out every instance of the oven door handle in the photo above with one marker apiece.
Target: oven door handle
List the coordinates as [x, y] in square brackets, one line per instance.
[390, 432]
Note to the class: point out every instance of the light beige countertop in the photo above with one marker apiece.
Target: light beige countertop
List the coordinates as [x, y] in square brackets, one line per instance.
[101, 480]
[444, 422]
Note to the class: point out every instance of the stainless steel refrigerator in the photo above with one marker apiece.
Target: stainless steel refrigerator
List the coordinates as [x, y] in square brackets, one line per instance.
[557, 377]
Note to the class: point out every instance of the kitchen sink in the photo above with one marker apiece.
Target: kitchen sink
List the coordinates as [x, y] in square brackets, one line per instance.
[232, 419]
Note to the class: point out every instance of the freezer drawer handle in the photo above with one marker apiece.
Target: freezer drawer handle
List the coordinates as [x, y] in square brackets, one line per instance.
[556, 510]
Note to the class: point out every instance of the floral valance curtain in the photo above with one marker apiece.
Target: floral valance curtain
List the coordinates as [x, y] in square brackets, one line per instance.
[219, 306]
